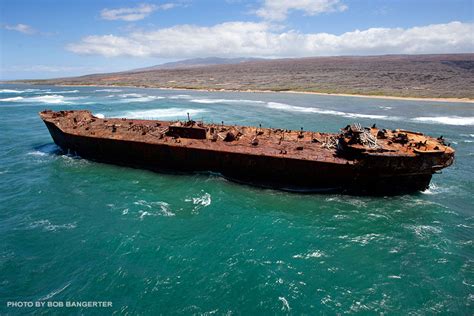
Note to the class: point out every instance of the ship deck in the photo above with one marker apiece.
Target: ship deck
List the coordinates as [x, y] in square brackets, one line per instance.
[287, 144]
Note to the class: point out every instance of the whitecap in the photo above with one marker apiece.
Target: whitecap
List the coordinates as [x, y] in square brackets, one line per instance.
[314, 254]
[435, 189]
[131, 95]
[286, 306]
[231, 101]
[204, 200]
[53, 293]
[11, 91]
[446, 120]
[64, 91]
[46, 225]
[365, 239]
[200, 201]
[14, 99]
[45, 150]
[18, 91]
[424, 231]
[164, 209]
[162, 113]
[293, 108]
[136, 97]
[50, 99]
[99, 115]
[108, 90]
[180, 96]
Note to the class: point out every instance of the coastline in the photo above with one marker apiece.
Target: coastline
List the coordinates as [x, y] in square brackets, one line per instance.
[452, 100]
[382, 97]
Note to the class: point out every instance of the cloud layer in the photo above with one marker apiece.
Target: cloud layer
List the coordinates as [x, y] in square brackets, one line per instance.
[277, 10]
[133, 14]
[234, 39]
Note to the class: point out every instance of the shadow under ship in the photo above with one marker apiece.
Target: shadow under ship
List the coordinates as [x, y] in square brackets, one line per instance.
[358, 160]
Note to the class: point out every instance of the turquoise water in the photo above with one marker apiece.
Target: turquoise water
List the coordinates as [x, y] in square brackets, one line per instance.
[74, 230]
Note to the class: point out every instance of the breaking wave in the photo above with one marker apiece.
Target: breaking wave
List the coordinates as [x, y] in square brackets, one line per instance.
[49, 99]
[228, 101]
[447, 120]
[136, 97]
[108, 90]
[292, 108]
[14, 99]
[18, 91]
[180, 96]
[64, 91]
[162, 113]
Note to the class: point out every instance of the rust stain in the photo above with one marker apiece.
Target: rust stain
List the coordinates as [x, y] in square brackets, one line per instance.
[356, 158]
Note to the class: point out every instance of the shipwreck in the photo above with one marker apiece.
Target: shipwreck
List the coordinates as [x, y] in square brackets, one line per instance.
[358, 160]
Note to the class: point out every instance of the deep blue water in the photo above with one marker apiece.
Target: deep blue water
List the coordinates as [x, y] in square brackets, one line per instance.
[74, 230]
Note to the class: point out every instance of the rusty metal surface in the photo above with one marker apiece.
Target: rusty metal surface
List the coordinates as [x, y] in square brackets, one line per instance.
[356, 156]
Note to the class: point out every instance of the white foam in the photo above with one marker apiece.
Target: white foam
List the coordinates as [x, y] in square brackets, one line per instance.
[99, 115]
[64, 91]
[285, 306]
[164, 208]
[447, 120]
[162, 113]
[10, 91]
[293, 108]
[53, 293]
[180, 96]
[435, 189]
[314, 254]
[14, 99]
[200, 201]
[18, 91]
[136, 97]
[108, 90]
[228, 101]
[48, 226]
[204, 200]
[37, 153]
[131, 95]
[50, 99]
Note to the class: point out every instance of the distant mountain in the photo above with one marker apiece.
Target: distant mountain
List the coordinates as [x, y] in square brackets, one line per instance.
[199, 62]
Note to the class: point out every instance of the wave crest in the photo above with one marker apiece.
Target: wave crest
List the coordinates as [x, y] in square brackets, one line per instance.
[162, 113]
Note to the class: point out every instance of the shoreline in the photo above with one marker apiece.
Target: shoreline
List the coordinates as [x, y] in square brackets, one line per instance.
[382, 97]
[449, 100]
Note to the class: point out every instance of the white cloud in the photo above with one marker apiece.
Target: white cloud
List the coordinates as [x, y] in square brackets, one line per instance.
[277, 10]
[133, 14]
[233, 39]
[22, 28]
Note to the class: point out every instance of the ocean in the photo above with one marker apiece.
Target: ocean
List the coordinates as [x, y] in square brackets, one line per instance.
[75, 231]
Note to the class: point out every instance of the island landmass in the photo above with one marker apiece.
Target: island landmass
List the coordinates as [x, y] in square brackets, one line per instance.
[447, 77]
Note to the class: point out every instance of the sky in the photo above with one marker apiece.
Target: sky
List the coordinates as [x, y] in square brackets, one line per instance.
[58, 38]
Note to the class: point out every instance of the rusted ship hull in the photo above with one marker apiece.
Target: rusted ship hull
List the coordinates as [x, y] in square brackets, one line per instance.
[387, 176]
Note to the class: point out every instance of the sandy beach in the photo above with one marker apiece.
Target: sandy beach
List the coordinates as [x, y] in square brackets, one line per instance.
[454, 100]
